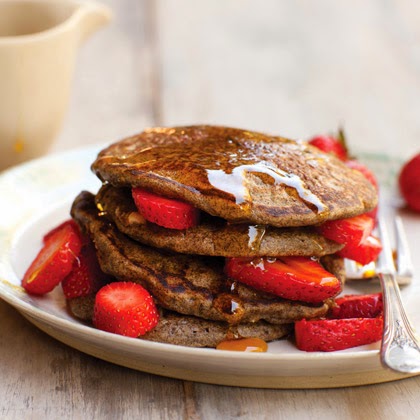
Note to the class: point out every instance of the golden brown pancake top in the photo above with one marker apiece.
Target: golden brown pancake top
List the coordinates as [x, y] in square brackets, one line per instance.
[238, 175]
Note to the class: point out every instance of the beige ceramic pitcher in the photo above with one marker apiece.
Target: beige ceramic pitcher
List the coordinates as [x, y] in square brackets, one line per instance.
[38, 44]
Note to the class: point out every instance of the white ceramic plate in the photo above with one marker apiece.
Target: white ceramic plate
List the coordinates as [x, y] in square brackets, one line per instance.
[37, 196]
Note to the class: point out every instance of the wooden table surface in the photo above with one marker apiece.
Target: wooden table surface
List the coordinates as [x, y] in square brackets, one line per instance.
[292, 68]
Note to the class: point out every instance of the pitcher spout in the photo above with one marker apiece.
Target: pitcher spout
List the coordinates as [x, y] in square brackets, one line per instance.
[91, 17]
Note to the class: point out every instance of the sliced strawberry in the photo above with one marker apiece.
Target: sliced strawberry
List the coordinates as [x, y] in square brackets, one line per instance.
[358, 306]
[86, 277]
[294, 278]
[55, 260]
[364, 253]
[355, 234]
[355, 164]
[48, 235]
[329, 144]
[409, 182]
[337, 334]
[125, 308]
[171, 214]
[353, 230]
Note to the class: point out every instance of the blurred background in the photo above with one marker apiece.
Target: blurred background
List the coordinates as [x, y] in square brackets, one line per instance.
[293, 68]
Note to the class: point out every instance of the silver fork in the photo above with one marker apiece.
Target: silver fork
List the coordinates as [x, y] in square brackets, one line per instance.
[400, 349]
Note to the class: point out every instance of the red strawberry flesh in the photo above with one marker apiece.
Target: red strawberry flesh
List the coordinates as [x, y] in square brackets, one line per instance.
[54, 261]
[358, 306]
[353, 230]
[86, 277]
[330, 144]
[165, 212]
[125, 308]
[294, 278]
[337, 334]
[364, 253]
[71, 222]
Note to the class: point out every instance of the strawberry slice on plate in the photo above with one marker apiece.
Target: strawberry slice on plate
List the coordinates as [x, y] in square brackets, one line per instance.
[165, 212]
[364, 253]
[358, 306]
[353, 230]
[125, 308]
[54, 261]
[86, 277]
[355, 320]
[337, 334]
[48, 235]
[293, 278]
[355, 234]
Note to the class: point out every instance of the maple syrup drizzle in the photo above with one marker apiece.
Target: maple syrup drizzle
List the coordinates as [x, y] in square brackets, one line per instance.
[244, 344]
[230, 306]
[101, 210]
[218, 163]
[234, 182]
[255, 236]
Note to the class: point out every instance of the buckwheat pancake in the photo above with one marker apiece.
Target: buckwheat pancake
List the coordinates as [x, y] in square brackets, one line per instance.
[213, 236]
[238, 175]
[197, 332]
[189, 285]
[191, 331]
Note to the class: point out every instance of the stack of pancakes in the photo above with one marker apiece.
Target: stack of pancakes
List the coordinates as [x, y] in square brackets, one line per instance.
[259, 196]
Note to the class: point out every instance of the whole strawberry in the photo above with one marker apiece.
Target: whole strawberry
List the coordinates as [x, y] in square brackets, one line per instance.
[330, 144]
[409, 182]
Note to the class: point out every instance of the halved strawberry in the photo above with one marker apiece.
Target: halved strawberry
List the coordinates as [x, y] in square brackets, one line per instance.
[358, 306]
[171, 214]
[71, 222]
[337, 334]
[86, 277]
[125, 308]
[55, 260]
[330, 144]
[353, 230]
[294, 278]
[364, 253]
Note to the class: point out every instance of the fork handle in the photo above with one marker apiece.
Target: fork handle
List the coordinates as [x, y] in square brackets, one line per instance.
[400, 348]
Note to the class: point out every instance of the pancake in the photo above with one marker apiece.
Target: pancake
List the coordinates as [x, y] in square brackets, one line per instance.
[189, 285]
[213, 236]
[238, 175]
[197, 332]
[190, 331]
